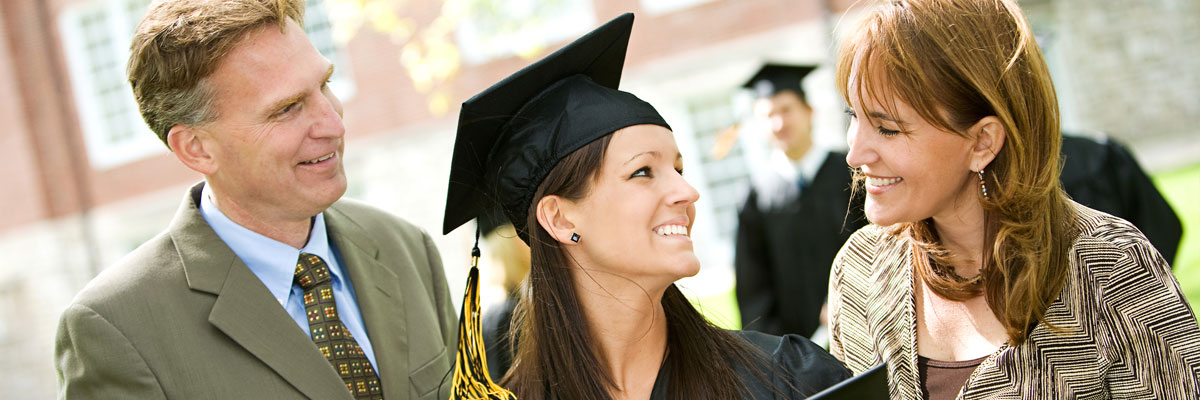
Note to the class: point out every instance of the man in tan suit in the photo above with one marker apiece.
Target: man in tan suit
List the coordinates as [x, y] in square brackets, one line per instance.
[220, 305]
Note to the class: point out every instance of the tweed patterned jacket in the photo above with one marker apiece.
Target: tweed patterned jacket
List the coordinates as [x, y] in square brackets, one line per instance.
[1126, 330]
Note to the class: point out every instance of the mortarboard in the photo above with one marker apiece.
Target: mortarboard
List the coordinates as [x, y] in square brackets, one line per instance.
[774, 78]
[509, 138]
[512, 134]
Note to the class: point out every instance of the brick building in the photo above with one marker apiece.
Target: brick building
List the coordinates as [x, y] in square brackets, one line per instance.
[88, 182]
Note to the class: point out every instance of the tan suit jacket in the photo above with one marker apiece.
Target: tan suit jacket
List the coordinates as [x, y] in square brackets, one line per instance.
[182, 317]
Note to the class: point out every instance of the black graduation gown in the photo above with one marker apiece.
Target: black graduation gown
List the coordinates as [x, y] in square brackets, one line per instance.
[803, 369]
[786, 242]
[1104, 176]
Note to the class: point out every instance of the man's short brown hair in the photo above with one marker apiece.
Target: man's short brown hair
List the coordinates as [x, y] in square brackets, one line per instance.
[179, 43]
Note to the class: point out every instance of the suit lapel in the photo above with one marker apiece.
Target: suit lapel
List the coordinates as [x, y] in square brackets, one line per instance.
[272, 336]
[245, 311]
[380, 301]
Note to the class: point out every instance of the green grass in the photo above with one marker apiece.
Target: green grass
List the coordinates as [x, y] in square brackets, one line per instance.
[1181, 188]
[721, 309]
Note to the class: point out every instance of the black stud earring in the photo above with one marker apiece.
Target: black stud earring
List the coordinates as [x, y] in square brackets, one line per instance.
[574, 237]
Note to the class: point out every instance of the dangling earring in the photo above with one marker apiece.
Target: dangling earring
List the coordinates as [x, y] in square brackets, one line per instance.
[982, 185]
[574, 237]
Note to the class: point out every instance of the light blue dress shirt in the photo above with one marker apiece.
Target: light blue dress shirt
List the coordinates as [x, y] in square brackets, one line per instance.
[273, 262]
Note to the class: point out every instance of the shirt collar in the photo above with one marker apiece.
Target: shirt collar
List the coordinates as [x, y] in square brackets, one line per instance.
[272, 261]
[808, 165]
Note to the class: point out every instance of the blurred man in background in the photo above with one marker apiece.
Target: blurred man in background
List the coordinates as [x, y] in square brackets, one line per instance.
[797, 215]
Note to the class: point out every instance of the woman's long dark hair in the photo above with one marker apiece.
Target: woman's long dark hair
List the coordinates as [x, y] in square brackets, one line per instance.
[556, 358]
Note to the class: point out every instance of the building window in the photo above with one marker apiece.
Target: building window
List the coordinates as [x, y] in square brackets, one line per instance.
[96, 37]
[727, 178]
[495, 29]
[320, 31]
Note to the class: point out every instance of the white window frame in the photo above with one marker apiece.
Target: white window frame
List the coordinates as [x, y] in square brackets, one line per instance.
[118, 24]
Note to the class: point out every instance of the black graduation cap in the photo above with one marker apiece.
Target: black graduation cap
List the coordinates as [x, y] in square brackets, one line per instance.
[512, 134]
[774, 78]
[490, 219]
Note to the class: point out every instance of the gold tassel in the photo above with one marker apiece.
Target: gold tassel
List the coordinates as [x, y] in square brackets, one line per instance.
[471, 378]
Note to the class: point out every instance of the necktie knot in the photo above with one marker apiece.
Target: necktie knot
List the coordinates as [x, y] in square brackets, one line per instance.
[310, 271]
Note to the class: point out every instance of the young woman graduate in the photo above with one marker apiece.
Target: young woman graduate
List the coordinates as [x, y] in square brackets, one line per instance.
[592, 179]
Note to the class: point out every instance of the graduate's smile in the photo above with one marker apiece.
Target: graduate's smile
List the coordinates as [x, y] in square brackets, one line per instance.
[676, 229]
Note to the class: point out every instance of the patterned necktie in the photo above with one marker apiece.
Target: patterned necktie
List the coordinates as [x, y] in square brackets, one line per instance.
[332, 338]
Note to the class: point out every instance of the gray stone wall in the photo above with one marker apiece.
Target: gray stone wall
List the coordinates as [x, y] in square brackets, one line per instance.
[1128, 68]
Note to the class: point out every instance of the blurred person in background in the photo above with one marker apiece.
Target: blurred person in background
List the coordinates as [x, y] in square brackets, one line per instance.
[1101, 173]
[799, 212]
[978, 277]
[594, 176]
[266, 284]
